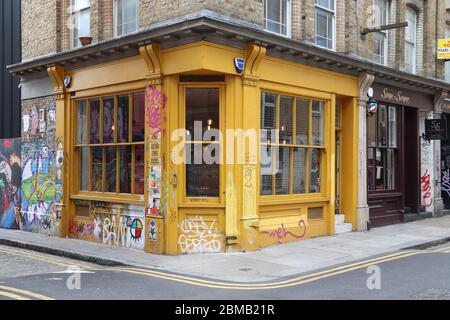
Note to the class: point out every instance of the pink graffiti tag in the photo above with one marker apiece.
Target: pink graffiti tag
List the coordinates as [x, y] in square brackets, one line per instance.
[155, 103]
[426, 189]
[281, 233]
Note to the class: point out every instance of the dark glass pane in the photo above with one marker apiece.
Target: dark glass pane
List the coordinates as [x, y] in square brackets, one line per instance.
[380, 169]
[299, 174]
[97, 168]
[372, 130]
[286, 119]
[266, 171]
[390, 169]
[82, 122]
[84, 169]
[315, 156]
[202, 180]
[370, 169]
[110, 174]
[382, 126]
[302, 115]
[139, 169]
[392, 127]
[95, 121]
[125, 169]
[138, 117]
[268, 117]
[202, 112]
[122, 118]
[282, 176]
[108, 120]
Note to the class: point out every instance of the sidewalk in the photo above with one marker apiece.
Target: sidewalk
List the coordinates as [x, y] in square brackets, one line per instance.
[268, 264]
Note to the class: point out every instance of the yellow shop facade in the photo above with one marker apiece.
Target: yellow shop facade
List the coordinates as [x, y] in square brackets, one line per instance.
[285, 148]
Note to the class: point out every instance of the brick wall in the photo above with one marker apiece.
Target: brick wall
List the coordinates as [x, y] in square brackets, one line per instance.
[39, 22]
[45, 24]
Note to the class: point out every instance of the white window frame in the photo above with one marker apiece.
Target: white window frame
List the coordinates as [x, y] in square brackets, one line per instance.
[288, 18]
[333, 35]
[74, 14]
[116, 15]
[383, 33]
[414, 44]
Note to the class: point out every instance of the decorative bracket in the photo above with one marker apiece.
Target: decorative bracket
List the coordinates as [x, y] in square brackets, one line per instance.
[151, 54]
[56, 74]
[365, 81]
[255, 53]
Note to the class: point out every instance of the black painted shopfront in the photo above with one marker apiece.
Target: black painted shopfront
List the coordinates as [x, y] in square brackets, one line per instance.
[393, 155]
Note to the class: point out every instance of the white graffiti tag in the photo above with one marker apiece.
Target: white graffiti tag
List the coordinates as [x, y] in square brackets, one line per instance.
[446, 181]
[198, 237]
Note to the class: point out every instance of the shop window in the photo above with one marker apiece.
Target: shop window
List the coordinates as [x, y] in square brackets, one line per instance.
[277, 16]
[380, 38]
[81, 20]
[126, 16]
[292, 144]
[382, 149]
[110, 144]
[410, 40]
[202, 142]
[325, 28]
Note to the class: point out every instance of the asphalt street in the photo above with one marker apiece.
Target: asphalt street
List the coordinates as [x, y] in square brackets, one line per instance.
[406, 274]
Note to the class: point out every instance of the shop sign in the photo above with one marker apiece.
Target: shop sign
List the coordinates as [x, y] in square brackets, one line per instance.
[444, 49]
[435, 129]
[404, 97]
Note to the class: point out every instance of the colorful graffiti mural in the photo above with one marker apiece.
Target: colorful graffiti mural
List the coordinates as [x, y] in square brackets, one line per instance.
[10, 184]
[42, 159]
[111, 224]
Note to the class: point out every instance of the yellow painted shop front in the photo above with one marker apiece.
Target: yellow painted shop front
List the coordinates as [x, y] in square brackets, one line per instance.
[130, 128]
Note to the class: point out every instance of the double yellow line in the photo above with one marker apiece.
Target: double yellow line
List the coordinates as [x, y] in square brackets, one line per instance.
[19, 294]
[46, 258]
[269, 285]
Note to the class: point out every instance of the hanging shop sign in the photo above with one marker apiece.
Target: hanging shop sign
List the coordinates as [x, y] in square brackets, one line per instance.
[435, 129]
[443, 49]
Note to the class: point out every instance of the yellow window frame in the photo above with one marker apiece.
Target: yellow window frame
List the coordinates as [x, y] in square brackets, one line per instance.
[76, 193]
[203, 201]
[292, 146]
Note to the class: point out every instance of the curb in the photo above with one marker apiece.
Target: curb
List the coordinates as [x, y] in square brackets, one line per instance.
[62, 253]
[428, 244]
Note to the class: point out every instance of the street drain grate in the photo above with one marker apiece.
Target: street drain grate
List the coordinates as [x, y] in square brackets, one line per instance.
[245, 269]
[433, 294]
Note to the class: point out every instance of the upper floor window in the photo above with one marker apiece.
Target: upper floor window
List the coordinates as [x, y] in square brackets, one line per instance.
[381, 14]
[410, 40]
[81, 20]
[325, 24]
[125, 16]
[277, 16]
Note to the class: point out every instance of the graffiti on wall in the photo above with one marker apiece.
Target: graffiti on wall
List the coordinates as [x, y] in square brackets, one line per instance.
[41, 160]
[155, 103]
[10, 184]
[427, 199]
[445, 187]
[200, 236]
[112, 224]
[281, 234]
